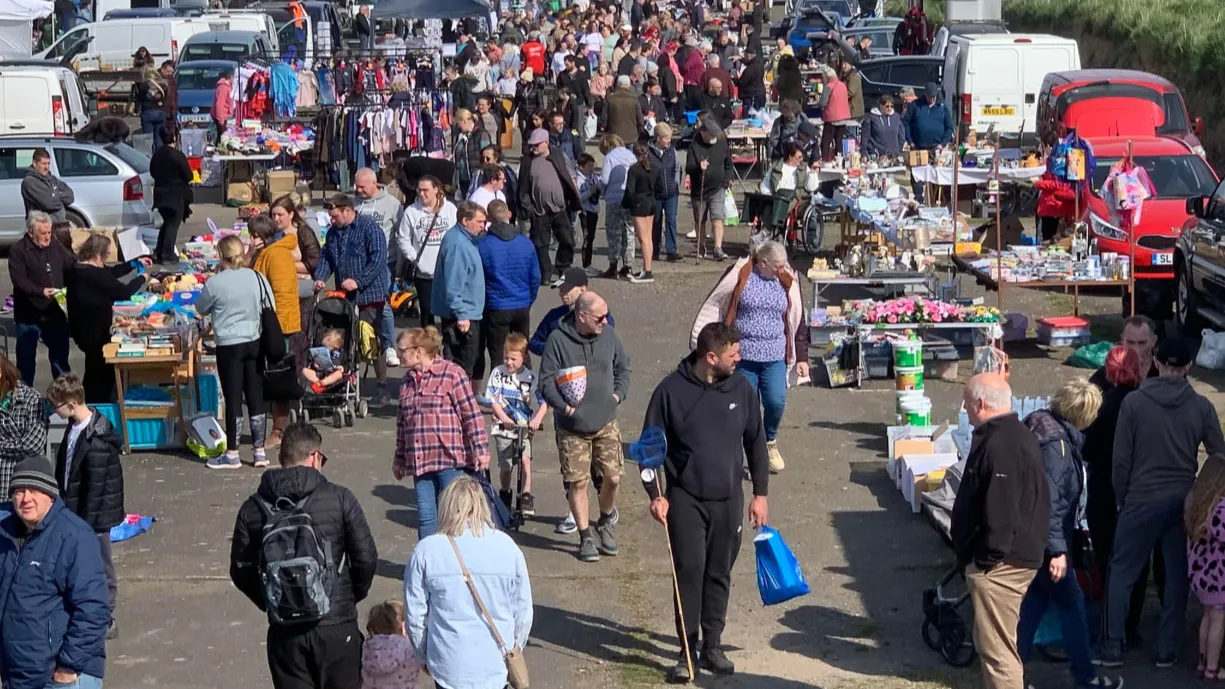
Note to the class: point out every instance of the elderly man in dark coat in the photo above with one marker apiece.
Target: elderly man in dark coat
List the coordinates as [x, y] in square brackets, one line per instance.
[624, 112]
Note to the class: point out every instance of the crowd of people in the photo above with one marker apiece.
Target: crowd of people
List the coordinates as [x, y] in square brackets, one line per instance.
[1098, 486]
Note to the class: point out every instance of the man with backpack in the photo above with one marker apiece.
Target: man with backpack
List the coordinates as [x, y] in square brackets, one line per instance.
[298, 527]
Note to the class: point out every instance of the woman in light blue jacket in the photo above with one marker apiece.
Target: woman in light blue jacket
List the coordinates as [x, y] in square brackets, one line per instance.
[444, 622]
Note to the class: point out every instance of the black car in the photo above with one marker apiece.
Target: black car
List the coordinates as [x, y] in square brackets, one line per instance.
[887, 76]
[1199, 264]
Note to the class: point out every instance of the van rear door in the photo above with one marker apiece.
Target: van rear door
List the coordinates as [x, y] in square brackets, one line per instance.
[26, 101]
[994, 84]
[1039, 61]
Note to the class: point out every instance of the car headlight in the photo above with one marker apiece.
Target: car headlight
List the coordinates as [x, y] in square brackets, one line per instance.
[1102, 228]
[1199, 151]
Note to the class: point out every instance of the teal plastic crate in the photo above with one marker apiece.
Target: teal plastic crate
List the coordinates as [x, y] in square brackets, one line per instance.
[143, 434]
[209, 399]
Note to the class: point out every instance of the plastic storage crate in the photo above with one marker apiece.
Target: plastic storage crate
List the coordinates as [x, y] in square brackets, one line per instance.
[208, 400]
[143, 434]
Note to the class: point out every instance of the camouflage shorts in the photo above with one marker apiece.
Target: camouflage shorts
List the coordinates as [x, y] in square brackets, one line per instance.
[580, 451]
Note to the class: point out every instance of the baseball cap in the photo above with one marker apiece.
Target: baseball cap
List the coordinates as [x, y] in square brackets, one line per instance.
[538, 136]
[1174, 352]
[931, 90]
[573, 277]
[338, 201]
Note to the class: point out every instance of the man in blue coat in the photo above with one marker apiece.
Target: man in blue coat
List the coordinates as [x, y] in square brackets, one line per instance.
[54, 611]
[928, 124]
[459, 289]
[512, 277]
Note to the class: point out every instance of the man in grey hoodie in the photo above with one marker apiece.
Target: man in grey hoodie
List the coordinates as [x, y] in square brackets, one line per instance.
[43, 191]
[1156, 446]
[882, 130]
[587, 427]
[385, 210]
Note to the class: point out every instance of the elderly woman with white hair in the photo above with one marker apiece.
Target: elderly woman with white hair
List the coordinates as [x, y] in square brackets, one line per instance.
[467, 597]
[760, 297]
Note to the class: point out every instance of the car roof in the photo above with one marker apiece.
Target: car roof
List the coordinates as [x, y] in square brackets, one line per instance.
[48, 139]
[231, 36]
[206, 64]
[1122, 75]
[27, 64]
[968, 28]
[1113, 147]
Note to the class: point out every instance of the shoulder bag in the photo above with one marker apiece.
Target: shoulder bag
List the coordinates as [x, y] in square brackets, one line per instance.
[271, 338]
[516, 666]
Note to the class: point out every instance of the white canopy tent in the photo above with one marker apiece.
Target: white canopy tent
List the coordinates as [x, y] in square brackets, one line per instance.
[16, 35]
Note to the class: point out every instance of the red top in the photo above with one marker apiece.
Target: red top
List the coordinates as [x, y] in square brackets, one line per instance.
[533, 56]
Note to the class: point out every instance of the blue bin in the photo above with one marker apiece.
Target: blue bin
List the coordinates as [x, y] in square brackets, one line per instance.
[143, 434]
[209, 399]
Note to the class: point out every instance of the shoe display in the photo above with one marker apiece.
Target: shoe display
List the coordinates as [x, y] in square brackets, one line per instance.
[567, 525]
[604, 529]
[642, 277]
[527, 504]
[776, 458]
[588, 551]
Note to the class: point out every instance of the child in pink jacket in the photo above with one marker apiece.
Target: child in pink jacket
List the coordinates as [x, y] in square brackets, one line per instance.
[388, 661]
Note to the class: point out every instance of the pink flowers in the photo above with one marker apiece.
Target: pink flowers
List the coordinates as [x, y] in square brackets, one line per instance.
[916, 310]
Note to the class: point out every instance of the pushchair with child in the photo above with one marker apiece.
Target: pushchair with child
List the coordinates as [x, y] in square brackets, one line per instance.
[343, 399]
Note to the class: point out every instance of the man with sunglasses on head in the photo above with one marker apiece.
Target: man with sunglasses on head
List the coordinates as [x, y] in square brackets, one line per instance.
[313, 636]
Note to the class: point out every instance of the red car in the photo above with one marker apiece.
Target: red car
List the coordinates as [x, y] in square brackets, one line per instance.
[1177, 173]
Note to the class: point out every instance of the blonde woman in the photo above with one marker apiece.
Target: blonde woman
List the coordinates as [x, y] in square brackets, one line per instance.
[444, 622]
[151, 94]
[467, 151]
[1059, 431]
[232, 299]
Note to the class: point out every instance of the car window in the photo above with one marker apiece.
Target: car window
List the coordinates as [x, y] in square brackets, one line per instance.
[874, 73]
[82, 162]
[216, 51]
[1175, 115]
[14, 161]
[135, 159]
[1174, 177]
[910, 74]
[66, 42]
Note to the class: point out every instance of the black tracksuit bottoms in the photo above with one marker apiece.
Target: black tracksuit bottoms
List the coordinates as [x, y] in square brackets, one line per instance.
[315, 656]
[705, 542]
[545, 228]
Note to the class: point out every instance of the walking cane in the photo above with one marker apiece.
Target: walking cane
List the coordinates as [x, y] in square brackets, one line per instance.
[703, 214]
[676, 587]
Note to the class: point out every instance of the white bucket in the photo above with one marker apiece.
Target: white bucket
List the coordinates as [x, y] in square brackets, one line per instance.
[917, 411]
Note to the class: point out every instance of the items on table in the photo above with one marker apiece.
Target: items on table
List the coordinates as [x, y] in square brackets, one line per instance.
[903, 311]
[1053, 263]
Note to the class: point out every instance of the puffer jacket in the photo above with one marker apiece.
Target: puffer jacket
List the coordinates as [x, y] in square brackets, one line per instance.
[512, 272]
[668, 179]
[338, 518]
[1061, 445]
[54, 609]
[92, 487]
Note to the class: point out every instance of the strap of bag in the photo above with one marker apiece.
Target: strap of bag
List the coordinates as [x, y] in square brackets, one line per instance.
[480, 603]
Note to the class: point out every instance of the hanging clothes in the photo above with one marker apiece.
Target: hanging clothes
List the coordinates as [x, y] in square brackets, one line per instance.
[1124, 191]
[308, 90]
[284, 90]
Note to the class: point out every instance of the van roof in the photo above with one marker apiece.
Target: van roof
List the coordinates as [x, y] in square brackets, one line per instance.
[232, 36]
[1125, 75]
[1115, 146]
[1009, 38]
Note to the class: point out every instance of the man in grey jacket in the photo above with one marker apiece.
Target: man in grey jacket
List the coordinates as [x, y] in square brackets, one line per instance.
[43, 191]
[586, 423]
[1156, 447]
[385, 210]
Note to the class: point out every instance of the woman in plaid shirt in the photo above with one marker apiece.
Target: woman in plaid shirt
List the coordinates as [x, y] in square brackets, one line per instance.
[23, 423]
[440, 433]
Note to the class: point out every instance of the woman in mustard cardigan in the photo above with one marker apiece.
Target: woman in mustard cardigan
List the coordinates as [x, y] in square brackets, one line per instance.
[275, 261]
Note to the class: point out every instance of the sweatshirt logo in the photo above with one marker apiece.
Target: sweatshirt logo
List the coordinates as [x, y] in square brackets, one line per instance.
[732, 405]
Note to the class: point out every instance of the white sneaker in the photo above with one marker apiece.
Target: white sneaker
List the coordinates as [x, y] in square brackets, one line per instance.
[776, 458]
[567, 525]
[691, 234]
[390, 356]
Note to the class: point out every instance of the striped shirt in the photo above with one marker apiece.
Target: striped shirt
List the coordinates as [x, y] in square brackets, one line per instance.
[439, 425]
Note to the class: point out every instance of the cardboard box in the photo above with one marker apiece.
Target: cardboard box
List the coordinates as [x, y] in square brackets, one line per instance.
[916, 158]
[240, 193]
[79, 236]
[280, 183]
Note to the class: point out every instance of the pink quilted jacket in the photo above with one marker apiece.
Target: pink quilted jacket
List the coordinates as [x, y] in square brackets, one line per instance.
[388, 663]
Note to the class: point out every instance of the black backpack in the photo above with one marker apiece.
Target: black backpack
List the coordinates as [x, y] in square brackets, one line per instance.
[296, 564]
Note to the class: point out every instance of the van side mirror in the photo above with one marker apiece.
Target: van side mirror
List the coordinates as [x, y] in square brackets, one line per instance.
[1195, 206]
[1199, 126]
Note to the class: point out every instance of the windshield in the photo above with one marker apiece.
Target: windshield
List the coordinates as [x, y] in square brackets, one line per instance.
[840, 7]
[135, 159]
[216, 51]
[1174, 177]
[198, 78]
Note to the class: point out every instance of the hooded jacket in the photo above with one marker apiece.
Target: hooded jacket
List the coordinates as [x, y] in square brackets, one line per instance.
[1156, 444]
[711, 428]
[1056, 198]
[615, 173]
[512, 273]
[1061, 445]
[338, 519]
[46, 193]
[420, 234]
[1099, 449]
[549, 323]
[883, 134]
[54, 609]
[385, 210]
[92, 486]
[608, 373]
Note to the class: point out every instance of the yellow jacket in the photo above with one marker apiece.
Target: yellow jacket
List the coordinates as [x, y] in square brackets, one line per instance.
[276, 263]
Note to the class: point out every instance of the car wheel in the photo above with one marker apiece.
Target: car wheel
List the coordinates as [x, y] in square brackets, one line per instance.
[76, 220]
[1186, 305]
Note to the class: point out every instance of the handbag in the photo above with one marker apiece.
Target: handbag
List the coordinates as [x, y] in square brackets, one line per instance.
[516, 665]
[271, 339]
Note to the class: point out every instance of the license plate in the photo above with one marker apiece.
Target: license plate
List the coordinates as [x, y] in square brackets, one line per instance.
[1164, 259]
[194, 118]
[999, 111]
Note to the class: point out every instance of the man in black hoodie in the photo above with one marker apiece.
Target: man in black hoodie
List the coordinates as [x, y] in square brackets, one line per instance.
[1000, 523]
[330, 645]
[1156, 447]
[710, 418]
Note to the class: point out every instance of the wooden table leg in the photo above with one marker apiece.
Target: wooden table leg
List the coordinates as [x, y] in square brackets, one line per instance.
[123, 417]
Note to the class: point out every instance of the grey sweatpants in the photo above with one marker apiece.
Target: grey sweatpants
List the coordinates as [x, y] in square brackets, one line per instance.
[112, 582]
[1142, 526]
[620, 230]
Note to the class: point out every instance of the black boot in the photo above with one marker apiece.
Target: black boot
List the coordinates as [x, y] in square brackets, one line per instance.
[679, 674]
[611, 273]
[714, 660]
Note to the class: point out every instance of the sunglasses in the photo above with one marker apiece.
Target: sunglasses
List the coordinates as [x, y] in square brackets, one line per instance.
[323, 459]
[597, 319]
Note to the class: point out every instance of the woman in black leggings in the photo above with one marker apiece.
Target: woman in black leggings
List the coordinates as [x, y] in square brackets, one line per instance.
[233, 299]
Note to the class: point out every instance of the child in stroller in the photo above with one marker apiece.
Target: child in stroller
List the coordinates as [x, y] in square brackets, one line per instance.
[333, 337]
[324, 369]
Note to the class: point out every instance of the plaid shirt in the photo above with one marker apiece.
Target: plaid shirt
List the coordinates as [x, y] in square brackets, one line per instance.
[23, 431]
[357, 251]
[439, 425]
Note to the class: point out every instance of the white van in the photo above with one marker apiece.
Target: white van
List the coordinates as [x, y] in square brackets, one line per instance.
[110, 45]
[994, 79]
[243, 20]
[38, 97]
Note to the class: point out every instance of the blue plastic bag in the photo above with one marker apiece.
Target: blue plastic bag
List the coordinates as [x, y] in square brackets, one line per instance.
[133, 525]
[497, 509]
[779, 577]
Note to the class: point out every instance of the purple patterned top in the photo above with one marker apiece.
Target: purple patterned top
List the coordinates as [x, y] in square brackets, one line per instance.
[759, 318]
[1206, 560]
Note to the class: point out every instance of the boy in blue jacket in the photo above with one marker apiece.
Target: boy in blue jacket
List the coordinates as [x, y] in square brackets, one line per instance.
[459, 289]
[512, 277]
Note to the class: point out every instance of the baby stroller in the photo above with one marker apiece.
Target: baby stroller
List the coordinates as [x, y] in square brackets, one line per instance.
[947, 619]
[342, 399]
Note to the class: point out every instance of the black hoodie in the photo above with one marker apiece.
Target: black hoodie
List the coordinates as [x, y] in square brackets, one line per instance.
[710, 428]
[338, 518]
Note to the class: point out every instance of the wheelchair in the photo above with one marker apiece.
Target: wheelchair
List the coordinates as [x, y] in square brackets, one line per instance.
[802, 228]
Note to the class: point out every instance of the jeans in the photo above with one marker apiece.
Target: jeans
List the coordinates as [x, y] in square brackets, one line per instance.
[1068, 599]
[387, 324]
[429, 487]
[83, 682]
[769, 379]
[1142, 525]
[152, 121]
[665, 225]
[52, 329]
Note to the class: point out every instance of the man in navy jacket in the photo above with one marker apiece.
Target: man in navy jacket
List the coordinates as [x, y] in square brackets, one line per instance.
[927, 124]
[54, 611]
